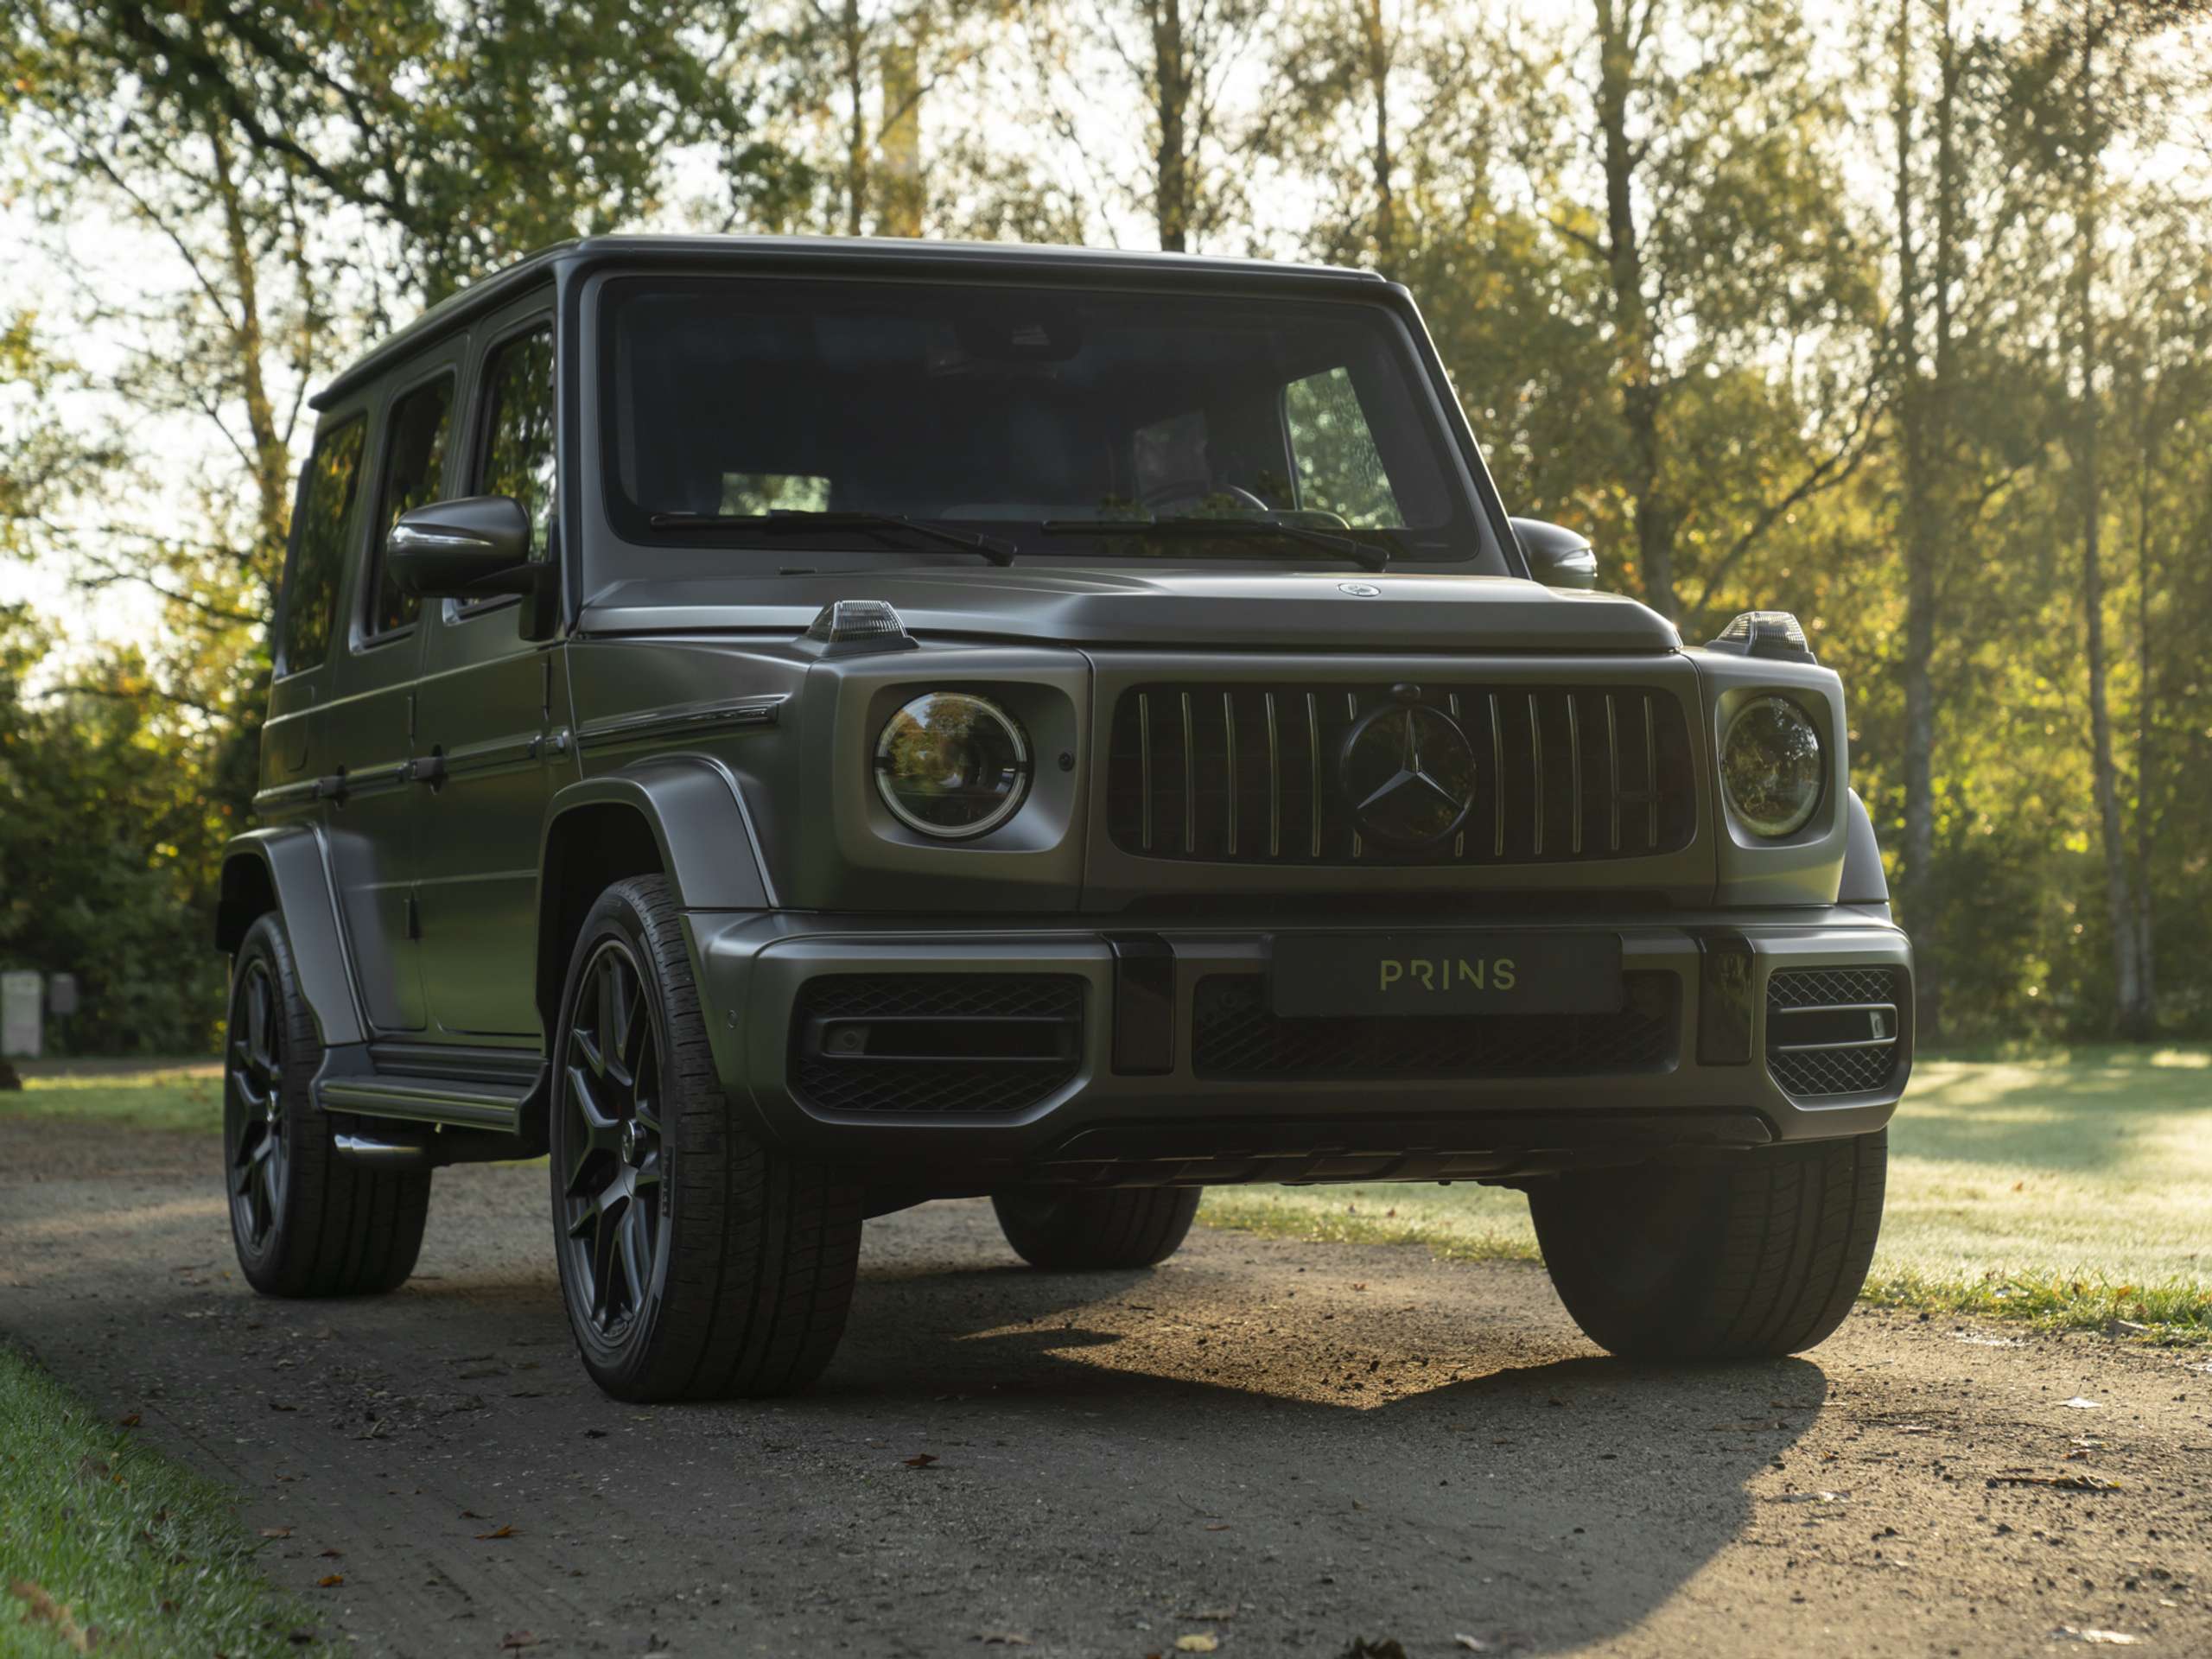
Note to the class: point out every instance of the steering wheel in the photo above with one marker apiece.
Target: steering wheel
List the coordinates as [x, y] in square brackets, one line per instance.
[1178, 495]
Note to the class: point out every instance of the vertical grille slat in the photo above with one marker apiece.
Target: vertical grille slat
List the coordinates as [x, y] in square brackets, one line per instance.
[1557, 773]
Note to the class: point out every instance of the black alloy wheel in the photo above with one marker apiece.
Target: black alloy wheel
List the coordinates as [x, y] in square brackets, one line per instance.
[257, 1157]
[614, 1151]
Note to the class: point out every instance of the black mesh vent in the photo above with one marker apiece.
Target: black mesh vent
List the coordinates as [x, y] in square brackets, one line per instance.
[1809, 1072]
[1027, 1006]
[1235, 1035]
[1249, 774]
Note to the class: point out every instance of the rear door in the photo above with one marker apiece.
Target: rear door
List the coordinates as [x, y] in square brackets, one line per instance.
[490, 704]
[371, 717]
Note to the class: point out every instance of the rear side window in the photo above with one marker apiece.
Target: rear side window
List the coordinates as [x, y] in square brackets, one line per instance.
[319, 544]
[414, 475]
[517, 454]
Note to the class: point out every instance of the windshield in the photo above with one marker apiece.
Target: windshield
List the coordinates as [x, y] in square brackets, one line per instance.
[1045, 421]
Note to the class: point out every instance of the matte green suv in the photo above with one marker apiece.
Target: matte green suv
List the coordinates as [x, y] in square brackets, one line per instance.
[788, 730]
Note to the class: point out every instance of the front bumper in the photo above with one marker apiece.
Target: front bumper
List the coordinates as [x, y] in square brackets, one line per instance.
[1193, 1116]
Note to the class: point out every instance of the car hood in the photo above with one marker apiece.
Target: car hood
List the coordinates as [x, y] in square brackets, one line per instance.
[1156, 606]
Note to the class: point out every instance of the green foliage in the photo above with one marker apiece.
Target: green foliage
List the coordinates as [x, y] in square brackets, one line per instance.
[107, 849]
[111, 1548]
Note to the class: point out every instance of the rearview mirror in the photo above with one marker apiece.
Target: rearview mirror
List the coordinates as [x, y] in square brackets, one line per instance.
[1558, 557]
[473, 548]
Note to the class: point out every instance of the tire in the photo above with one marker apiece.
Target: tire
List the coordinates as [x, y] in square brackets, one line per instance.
[1748, 1260]
[1080, 1232]
[696, 1261]
[304, 1221]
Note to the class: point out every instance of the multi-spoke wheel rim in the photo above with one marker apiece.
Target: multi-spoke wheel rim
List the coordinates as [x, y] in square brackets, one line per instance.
[253, 1105]
[611, 1146]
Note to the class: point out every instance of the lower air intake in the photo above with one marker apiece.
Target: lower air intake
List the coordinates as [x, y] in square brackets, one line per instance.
[943, 1044]
[1836, 1031]
[1235, 1034]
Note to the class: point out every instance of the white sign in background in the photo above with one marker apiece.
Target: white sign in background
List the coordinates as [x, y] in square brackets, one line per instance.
[21, 996]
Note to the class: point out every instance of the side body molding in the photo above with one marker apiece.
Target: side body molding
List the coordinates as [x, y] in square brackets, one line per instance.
[1864, 883]
[696, 811]
[287, 869]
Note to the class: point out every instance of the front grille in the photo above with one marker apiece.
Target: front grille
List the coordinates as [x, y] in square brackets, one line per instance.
[1835, 1031]
[935, 1043]
[1234, 1034]
[1255, 774]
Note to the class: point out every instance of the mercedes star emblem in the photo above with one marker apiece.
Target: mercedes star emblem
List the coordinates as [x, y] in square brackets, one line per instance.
[1409, 772]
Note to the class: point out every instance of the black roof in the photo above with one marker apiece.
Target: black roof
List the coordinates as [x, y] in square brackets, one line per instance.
[826, 251]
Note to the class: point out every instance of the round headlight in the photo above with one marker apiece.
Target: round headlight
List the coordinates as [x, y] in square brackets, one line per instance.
[1770, 766]
[953, 764]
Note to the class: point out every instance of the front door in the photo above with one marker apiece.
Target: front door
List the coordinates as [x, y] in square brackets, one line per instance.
[491, 746]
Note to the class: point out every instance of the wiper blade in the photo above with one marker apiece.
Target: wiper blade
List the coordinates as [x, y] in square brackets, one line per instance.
[1371, 556]
[807, 523]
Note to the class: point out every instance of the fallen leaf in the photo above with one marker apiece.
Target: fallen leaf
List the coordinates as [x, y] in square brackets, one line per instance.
[282, 1405]
[131, 1422]
[2079, 1404]
[1198, 1642]
[920, 1460]
[276, 1532]
[1471, 1644]
[46, 1609]
[1811, 1498]
[497, 1532]
[1002, 1638]
[330, 1581]
[2103, 1638]
[332, 1554]
[1218, 1526]
[2082, 1482]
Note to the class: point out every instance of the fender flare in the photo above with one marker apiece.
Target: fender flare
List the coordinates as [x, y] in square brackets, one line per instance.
[287, 869]
[696, 810]
[1863, 881]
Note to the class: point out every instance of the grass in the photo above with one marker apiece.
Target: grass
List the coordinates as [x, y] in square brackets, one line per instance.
[2070, 1190]
[185, 1094]
[108, 1547]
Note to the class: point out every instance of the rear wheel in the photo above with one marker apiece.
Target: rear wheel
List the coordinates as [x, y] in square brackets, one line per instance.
[696, 1262]
[304, 1221]
[1751, 1259]
[1122, 1226]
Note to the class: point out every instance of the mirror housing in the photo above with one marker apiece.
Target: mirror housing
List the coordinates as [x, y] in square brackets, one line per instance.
[1558, 557]
[473, 548]
[476, 547]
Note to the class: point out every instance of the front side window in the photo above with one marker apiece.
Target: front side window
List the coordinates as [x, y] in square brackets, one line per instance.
[1055, 419]
[517, 458]
[413, 476]
[319, 544]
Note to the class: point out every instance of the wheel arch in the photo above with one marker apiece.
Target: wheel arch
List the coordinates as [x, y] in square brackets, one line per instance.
[680, 816]
[285, 870]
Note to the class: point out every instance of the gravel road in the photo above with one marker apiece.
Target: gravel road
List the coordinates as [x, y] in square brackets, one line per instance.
[1273, 1446]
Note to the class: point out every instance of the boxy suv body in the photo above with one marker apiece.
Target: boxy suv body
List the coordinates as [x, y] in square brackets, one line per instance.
[794, 730]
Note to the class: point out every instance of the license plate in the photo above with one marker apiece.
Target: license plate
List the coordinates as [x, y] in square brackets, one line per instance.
[1320, 975]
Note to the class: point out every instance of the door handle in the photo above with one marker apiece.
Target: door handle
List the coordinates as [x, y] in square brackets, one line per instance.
[428, 769]
[332, 788]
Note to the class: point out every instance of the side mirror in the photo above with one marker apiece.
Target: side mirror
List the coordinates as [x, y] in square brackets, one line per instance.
[1558, 557]
[473, 548]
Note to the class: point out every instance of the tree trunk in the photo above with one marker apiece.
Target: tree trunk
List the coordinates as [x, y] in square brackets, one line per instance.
[1376, 44]
[2129, 1015]
[1641, 396]
[903, 193]
[1922, 540]
[1171, 77]
[855, 41]
[272, 460]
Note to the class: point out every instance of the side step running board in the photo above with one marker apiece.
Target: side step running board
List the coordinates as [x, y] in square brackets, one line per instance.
[468, 1105]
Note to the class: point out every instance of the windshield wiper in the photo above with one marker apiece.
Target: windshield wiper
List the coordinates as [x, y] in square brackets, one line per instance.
[1371, 556]
[807, 523]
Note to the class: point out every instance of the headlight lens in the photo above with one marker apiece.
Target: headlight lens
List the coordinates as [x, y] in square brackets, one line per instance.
[953, 764]
[1770, 766]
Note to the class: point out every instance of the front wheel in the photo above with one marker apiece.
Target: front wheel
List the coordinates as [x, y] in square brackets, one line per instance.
[1076, 1232]
[696, 1262]
[1750, 1259]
